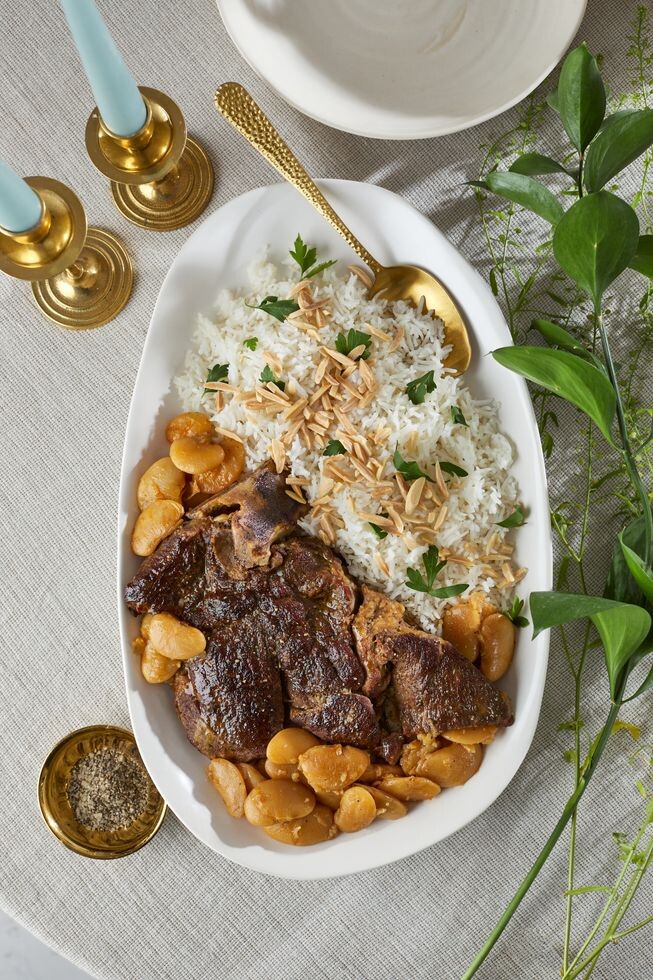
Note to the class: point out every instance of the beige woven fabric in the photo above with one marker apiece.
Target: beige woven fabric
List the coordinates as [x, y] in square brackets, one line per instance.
[176, 910]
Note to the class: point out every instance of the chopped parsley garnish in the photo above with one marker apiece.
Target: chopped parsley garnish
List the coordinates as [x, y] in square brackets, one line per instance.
[513, 613]
[433, 565]
[267, 374]
[334, 448]
[516, 519]
[305, 258]
[219, 372]
[452, 469]
[251, 343]
[418, 389]
[278, 308]
[457, 416]
[409, 469]
[346, 343]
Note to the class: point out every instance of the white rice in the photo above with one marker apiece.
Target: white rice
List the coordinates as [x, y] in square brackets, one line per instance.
[475, 503]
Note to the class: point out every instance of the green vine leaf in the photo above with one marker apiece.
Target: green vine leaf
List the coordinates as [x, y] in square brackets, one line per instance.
[535, 164]
[565, 375]
[557, 336]
[624, 137]
[595, 241]
[638, 568]
[620, 584]
[581, 97]
[524, 190]
[621, 626]
[643, 258]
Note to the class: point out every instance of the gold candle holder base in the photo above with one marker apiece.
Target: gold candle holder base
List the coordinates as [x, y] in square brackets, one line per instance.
[160, 178]
[81, 277]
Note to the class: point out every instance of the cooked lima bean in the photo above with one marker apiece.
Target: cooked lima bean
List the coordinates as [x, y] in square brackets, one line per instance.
[155, 668]
[275, 771]
[498, 636]
[357, 810]
[452, 765]
[154, 524]
[229, 782]
[194, 425]
[315, 828]
[333, 767]
[277, 801]
[161, 481]
[194, 457]
[378, 770]
[286, 746]
[460, 626]
[175, 639]
[225, 473]
[250, 774]
[409, 788]
[387, 807]
[472, 736]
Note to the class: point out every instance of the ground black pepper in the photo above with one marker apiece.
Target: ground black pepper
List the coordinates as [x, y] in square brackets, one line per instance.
[108, 790]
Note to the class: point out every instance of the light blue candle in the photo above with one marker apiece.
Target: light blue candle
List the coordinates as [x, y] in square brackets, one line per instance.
[116, 94]
[20, 206]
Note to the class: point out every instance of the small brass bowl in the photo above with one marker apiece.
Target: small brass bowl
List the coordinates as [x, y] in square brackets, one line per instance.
[56, 809]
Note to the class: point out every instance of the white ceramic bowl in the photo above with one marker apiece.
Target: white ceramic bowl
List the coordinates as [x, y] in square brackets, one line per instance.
[217, 255]
[402, 69]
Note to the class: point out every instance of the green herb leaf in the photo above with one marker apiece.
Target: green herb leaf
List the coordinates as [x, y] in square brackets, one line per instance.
[643, 258]
[621, 626]
[251, 344]
[626, 137]
[516, 519]
[345, 343]
[527, 192]
[565, 375]
[581, 97]
[278, 308]
[534, 164]
[418, 389]
[638, 568]
[217, 373]
[380, 533]
[268, 375]
[513, 613]
[448, 591]
[620, 584]
[305, 257]
[432, 564]
[334, 448]
[319, 268]
[408, 468]
[457, 416]
[557, 336]
[452, 469]
[415, 580]
[595, 241]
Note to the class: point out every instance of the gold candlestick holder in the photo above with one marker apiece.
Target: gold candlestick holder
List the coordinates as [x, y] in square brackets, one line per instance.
[81, 277]
[160, 178]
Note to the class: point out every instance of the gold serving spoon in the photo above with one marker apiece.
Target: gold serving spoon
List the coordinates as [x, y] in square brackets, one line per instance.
[406, 282]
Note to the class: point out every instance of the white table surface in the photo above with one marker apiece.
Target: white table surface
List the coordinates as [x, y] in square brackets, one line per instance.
[175, 910]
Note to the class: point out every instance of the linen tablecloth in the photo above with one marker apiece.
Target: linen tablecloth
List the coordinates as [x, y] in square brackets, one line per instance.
[175, 909]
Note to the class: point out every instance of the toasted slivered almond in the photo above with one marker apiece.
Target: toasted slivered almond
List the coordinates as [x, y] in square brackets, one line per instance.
[441, 518]
[339, 474]
[319, 430]
[322, 418]
[317, 394]
[353, 391]
[519, 574]
[320, 370]
[360, 453]
[273, 361]
[297, 288]
[348, 371]
[401, 483]
[292, 432]
[298, 481]
[220, 386]
[398, 338]
[218, 401]
[366, 374]
[396, 519]
[244, 396]
[381, 563]
[295, 495]
[278, 452]
[357, 351]
[383, 522]
[439, 481]
[326, 403]
[362, 274]
[344, 421]
[228, 434]
[275, 390]
[414, 494]
[338, 357]
[376, 332]
[294, 408]
[507, 573]
[362, 469]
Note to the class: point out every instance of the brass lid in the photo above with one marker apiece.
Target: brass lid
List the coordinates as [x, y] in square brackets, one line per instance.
[56, 809]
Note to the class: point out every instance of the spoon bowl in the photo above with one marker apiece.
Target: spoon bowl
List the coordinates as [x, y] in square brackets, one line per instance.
[407, 282]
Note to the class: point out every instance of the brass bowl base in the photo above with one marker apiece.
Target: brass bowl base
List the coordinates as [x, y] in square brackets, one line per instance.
[173, 201]
[93, 290]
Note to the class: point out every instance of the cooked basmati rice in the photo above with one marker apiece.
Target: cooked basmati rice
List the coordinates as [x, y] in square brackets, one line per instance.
[364, 406]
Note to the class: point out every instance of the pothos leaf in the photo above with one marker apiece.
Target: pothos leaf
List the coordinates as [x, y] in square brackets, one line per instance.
[565, 375]
[638, 568]
[642, 261]
[595, 241]
[621, 626]
[557, 336]
[581, 97]
[627, 136]
[526, 191]
[620, 584]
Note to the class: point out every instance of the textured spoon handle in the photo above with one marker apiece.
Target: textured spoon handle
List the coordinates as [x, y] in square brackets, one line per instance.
[239, 108]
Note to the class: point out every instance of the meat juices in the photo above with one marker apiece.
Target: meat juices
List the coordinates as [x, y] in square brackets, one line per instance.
[285, 642]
